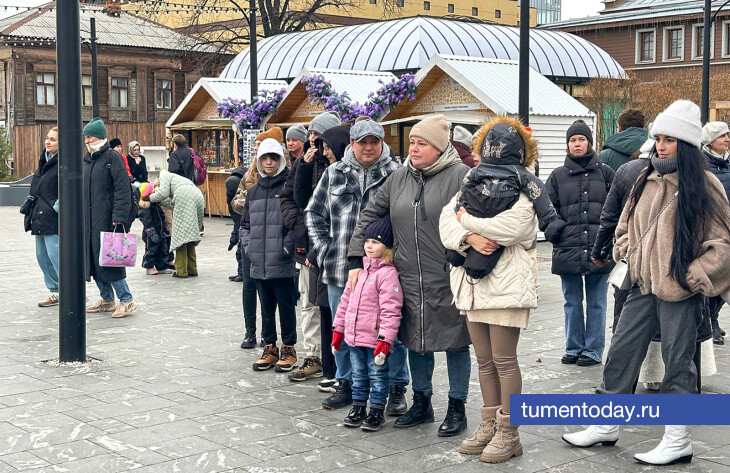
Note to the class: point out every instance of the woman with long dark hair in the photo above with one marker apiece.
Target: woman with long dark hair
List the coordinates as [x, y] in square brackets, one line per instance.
[675, 235]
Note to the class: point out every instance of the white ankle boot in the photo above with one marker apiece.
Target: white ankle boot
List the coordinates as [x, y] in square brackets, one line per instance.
[594, 434]
[675, 447]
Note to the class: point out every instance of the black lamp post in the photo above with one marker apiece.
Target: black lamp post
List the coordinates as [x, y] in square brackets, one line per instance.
[709, 20]
[523, 107]
[253, 62]
[72, 290]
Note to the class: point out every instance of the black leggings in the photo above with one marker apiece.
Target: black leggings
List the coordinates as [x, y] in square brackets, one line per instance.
[328, 359]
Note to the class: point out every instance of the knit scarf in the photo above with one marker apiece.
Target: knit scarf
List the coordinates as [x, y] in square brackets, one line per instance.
[95, 146]
[664, 166]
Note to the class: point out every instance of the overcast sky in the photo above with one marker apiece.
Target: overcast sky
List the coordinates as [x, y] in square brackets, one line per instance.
[580, 8]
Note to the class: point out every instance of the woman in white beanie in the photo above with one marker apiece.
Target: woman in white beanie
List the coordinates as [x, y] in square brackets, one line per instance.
[674, 234]
[715, 142]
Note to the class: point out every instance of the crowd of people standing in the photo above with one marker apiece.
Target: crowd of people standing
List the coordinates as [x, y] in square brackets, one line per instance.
[393, 261]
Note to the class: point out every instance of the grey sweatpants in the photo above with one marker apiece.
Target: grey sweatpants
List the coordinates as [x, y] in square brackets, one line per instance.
[640, 318]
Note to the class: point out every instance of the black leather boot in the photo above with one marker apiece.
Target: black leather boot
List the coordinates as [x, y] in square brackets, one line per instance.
[717, 337]
[420, 412]
[355, 417]
[374, 421]
[455, 421]
[341, 398]
[397, 405]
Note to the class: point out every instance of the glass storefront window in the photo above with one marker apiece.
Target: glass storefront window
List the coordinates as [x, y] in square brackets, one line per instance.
[214, 146]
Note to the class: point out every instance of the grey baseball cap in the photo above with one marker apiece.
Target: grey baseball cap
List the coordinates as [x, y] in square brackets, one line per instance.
[365, 128]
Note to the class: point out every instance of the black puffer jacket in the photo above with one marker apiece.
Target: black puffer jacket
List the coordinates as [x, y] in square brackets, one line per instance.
[623, 182]
[577, 193]
[107, 199]
[265, 239]
[181, 163]
[43, 220]
[719, 167]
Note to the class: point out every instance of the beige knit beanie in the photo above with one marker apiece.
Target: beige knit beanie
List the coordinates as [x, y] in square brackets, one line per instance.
[435, 129]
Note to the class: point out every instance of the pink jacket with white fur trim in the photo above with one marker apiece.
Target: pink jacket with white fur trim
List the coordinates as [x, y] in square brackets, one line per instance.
[371, 312]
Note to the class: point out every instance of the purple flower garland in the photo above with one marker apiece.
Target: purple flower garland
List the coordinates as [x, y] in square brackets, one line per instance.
[250, 115]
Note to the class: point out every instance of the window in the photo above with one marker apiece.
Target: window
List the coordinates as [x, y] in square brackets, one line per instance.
[373, 2]
[164, 93]
[474, 11]
[674, 44]
[698, 41]
[451, 8]
[426, 6]
[645, 46]
[45, 88]
[120, 92]
[498, 13]
[400, 3]
[87, 95]
[726, 39]
[189, 86]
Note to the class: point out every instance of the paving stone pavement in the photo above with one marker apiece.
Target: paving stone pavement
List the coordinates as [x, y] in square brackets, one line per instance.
[173, 391]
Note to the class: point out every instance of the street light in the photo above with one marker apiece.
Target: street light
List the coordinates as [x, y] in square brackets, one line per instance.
[523, 104]
[709, 20]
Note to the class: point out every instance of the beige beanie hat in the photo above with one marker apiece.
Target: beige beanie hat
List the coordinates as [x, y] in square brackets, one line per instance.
[712, 131]
[680, 120]
[435, 129]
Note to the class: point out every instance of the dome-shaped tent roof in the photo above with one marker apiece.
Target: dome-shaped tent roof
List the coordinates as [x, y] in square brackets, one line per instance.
[408, 43]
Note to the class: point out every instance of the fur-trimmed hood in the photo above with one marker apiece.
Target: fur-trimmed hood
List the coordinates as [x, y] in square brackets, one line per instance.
[530, 142]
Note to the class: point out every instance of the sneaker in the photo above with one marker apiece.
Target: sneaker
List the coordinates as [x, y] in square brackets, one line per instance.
[327, 385]
[124, 309]
[585, 360]
[166, 271]
[248, 342]
[152, 272]
[569, 359]
[287, 359]
[268, 359]
[51, 300]
[311, 368]
[102, 306]
[341, 398]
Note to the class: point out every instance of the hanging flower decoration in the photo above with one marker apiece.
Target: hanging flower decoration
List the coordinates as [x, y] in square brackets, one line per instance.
[250, 115]
[380, 102]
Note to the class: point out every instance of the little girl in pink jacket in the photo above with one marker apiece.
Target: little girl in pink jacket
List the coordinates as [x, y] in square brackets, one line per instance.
[368, 319]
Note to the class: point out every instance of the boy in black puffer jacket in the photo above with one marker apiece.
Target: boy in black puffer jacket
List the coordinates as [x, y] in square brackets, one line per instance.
[495, 186]
[270, 248]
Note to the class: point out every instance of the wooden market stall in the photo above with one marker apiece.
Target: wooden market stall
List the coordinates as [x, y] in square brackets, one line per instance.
[471, 90]
[296, 108]
[214, 139]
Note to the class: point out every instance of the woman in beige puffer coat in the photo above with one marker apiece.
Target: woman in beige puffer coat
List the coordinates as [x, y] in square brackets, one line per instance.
[498, 305]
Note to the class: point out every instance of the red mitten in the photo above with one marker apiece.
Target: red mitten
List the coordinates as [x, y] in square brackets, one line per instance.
[337, 338]
[381, 351]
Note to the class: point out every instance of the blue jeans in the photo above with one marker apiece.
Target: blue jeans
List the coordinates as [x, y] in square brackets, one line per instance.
[107, 290]
[459, 368]
[46, 252]
[368, 378]
[397, 367]
[585, 337]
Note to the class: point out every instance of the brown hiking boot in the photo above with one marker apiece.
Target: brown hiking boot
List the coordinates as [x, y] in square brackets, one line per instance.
[124, 309]
[102, 306]
[268, 359]
[475, 444]
[287, 360]
[49, 301]
[311, 368]
[505, 444]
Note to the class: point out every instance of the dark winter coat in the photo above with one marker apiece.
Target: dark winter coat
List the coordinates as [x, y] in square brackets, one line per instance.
[623, 182]
[43, 220]
[618, 149]
[430, 321]
[293, 215]
[138, 171]
[464, 153]
[263, 233]
[719, 167]
[107, 199]
[181, 163]
[232, 183]
[578, 194]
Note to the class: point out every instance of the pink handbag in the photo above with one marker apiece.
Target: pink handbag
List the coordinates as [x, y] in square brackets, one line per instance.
[118, 249]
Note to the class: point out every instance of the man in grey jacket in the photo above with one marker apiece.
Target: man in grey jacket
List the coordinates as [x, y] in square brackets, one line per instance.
[344, 190]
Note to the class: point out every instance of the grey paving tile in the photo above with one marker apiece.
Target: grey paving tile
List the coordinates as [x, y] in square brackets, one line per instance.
[206, 462]
[314, 461]
[68, 452]
[187, 446]
[24, 461]
[429, 458]
[107, 463]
